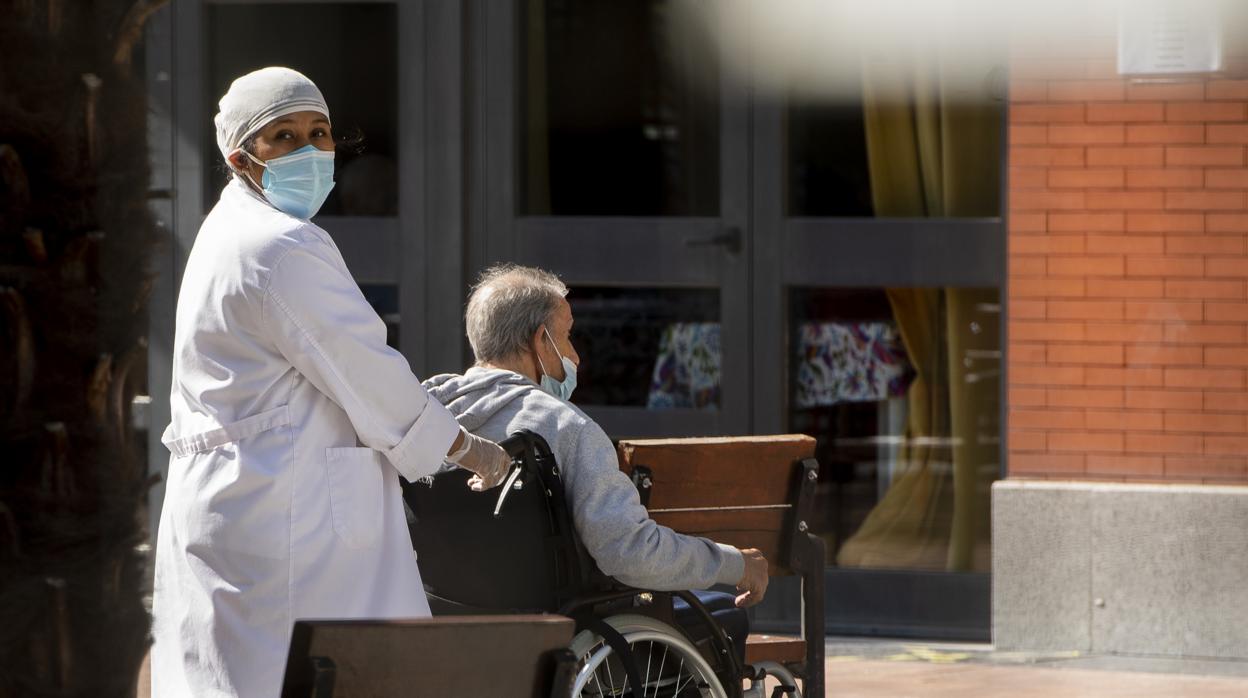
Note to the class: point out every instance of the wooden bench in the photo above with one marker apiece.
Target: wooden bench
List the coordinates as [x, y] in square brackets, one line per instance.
[749, 492]
[513, 656]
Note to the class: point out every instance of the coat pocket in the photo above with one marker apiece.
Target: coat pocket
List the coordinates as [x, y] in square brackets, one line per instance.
[356, 493]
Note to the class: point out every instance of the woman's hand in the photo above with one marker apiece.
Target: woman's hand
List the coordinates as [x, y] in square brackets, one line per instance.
[483, 457]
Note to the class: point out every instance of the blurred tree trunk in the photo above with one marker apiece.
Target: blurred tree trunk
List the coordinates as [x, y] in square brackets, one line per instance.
[75, 239]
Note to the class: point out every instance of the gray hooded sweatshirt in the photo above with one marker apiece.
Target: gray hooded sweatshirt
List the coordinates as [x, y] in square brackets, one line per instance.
[606, 510]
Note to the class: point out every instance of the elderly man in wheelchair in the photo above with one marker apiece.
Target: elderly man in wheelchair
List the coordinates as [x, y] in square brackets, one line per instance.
[567, 532]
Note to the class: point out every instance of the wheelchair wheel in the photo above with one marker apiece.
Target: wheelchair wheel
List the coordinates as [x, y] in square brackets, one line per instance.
[668, 664]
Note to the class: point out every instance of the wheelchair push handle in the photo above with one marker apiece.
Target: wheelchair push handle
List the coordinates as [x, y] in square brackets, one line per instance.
[518, 445]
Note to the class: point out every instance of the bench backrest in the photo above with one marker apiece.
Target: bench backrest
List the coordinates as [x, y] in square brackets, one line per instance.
[474, 656]
[746, 491]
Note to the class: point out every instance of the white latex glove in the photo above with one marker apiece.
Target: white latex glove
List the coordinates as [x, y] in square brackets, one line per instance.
[486, 459]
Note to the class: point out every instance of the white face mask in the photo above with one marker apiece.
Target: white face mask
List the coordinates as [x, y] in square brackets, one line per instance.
[560, 389]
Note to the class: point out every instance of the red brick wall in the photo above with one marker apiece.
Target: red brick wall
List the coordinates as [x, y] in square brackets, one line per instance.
[1128, 272]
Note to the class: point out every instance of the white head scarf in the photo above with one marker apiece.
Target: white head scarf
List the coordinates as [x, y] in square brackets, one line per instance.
[259, 97]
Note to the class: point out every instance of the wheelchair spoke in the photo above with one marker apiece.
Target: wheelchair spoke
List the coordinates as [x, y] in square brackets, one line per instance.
[649, 655]
[600, 689]
[679, 685]
[662, 663]
[595, 675]
[610, 679]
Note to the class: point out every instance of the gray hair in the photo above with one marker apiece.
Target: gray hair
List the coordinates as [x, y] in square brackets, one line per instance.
[507, 305]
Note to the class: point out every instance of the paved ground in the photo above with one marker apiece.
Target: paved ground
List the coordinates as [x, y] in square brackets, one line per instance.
[860, 668]
[896, 669]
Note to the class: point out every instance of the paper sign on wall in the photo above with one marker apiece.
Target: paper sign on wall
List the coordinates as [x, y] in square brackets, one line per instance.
[1163, 37]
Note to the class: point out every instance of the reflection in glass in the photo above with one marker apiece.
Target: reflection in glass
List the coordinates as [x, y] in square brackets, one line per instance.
[828, 161]
[350, 50]
[618, 117]
[652, 348]
[901, 387]
[914, 143]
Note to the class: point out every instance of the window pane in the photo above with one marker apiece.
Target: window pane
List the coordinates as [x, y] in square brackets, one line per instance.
[901, 387]
[896, 140]
[652, 348]
[617, 117]
[350, 52]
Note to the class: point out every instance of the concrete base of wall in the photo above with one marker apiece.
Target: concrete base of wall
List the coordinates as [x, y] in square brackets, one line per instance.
[1120, 568]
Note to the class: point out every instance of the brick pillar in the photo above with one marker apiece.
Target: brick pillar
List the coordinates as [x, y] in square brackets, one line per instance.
[1128, 272]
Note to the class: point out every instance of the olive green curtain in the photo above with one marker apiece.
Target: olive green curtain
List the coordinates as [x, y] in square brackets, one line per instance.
[933, 148]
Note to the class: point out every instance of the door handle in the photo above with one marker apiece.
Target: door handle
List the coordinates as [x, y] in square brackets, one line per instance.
[729, 240]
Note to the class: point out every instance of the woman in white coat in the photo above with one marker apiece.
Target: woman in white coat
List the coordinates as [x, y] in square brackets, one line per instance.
[292, 419]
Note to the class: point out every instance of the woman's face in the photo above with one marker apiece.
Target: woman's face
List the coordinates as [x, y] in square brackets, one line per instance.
[283, 135]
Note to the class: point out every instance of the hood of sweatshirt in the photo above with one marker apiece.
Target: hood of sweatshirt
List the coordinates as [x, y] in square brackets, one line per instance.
[478, 394]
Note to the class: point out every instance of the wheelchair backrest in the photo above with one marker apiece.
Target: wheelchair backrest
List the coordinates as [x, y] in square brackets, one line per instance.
[746, 491]
[510, 548]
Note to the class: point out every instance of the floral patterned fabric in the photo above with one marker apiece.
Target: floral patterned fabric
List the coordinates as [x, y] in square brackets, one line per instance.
[687, 368]
[835, 362]
[849, 362]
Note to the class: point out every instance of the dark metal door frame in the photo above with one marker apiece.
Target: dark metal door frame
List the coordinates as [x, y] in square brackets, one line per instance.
[619, 251]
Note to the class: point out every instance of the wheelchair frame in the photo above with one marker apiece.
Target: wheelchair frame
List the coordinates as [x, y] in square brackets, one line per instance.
[580, 590]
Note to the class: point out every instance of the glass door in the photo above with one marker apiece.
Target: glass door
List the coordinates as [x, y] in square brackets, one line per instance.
[614, 153]
[766, 258]
[879, 260]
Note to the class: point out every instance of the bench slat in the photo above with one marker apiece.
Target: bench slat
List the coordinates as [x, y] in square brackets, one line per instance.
[776, 648]
[762, 529]
[718, 471]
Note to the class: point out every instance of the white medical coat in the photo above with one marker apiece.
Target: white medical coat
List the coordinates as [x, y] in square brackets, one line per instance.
[291, 422]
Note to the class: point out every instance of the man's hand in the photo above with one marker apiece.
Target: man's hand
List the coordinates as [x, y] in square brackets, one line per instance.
[753, 584]
[483, 457]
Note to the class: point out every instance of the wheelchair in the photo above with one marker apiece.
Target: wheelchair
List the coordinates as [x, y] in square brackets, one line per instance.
[514, 549]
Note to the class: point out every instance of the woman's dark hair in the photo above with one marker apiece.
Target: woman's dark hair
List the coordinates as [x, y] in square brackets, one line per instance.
[249, 144]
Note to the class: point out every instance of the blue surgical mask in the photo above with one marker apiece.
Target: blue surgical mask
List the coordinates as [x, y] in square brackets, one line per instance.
[560, 389]
[298, 183]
